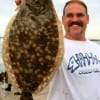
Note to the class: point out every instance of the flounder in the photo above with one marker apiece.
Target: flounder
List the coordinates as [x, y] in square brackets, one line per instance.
[33, 46]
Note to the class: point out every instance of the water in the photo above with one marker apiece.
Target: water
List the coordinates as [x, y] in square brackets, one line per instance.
[2, 67]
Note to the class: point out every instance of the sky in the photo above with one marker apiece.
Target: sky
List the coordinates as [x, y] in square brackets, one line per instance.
[7, 9]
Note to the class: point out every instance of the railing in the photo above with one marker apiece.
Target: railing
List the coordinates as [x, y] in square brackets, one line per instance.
[96, 40]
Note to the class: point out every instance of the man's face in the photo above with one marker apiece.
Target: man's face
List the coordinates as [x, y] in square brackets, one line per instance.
[75, 19]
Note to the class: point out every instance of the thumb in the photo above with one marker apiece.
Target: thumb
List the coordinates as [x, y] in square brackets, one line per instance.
[18, 2]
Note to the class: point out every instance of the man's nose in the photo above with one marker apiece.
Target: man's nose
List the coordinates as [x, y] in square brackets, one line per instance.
[75, 18]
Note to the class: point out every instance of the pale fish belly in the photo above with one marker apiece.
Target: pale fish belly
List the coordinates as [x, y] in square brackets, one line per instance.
[33, 46]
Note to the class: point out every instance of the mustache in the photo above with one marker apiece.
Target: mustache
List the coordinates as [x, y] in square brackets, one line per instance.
[76, 23]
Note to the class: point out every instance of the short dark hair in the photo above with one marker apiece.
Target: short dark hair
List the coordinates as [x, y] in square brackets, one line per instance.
[75, 1]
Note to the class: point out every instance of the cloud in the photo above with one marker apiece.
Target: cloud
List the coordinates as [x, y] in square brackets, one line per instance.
[93, 30]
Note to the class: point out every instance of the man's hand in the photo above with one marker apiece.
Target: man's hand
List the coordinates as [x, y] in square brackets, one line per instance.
[18, 2]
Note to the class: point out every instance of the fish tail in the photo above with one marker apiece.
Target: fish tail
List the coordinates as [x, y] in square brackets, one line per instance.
[26, 95]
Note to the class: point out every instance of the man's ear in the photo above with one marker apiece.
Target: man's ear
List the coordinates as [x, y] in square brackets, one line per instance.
[63, 19]
[87, 19]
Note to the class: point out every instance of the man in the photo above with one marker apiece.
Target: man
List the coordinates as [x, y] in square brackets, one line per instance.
[78, 77]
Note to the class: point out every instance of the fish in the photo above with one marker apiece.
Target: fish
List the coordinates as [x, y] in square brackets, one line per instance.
[33, 46]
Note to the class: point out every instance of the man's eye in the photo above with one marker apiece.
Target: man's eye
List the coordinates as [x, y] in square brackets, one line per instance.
[69, 15]
[80, 15]
[77, 15]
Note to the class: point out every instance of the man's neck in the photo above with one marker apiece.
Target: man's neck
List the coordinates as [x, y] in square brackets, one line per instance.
[75, 38]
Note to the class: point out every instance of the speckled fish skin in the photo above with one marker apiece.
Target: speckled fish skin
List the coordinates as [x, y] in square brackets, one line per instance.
[33, 45]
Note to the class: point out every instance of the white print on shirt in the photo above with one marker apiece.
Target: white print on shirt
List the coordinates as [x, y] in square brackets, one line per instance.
[82, 61]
